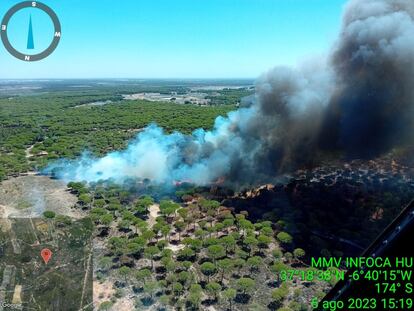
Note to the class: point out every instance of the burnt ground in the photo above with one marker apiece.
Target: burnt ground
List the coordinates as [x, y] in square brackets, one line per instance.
[334, 209]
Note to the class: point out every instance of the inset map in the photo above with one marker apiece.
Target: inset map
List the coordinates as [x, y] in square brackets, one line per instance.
[27, 282]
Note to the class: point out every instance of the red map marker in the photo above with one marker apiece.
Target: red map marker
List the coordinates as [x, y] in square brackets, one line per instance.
[46, 255]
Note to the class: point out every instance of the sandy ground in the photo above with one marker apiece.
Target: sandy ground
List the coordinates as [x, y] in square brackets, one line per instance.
[175, 248]
[154, 213]
[30, 196]
[124, 304]
[28, 152]
[5, 224]
[102, 292]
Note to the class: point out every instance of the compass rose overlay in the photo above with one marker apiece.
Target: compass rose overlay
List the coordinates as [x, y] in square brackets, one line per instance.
[56, 37]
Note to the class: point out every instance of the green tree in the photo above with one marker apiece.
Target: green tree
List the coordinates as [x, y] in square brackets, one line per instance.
[228, 242]
[185, 254]
[85, 199]
[277, 254]
[183, 212]
[164, 300]
[162, 244]
[207, 205]
[184, 277]
[186, 265]
[179, 226]
[134, 248]
[208, 269]
[167, 253]
[267, 231]
[194, 298]
[117, 245]
[251, 243]
[279, 294]
[49, 214]
[284, 238]
[299, 253]
[148, 235]
[124, 272]
[288, 256]
[194, 244]
[99, 211]
[142, 205]
[263, 241]
[169, 264]
[200, 233]
[150, 288]
[177, 288]
[140, 225]
[215, 252]
[76, 187]
[106, 219]
[218, 228]
[105, 263]
[143, 275]
[254, 263]
[165, 231]
[245, 225]
[277, 267]
[106, 305]
[114, 206]
[150, 253]
[229, 294]
[168, 208]
[246, 285]
[213, 288]
[146, 201]
[124, 225]
[127, 215]
[239, 263]
[229, 222]
[99, 203]
[225, 266]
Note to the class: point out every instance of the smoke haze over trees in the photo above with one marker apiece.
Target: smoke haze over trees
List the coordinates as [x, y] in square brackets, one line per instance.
[359, 102]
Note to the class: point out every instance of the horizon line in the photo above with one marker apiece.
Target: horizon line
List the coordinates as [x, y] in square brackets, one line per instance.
[110, 78]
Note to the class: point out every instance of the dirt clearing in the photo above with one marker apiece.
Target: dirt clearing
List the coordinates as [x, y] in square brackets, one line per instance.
[30, 196]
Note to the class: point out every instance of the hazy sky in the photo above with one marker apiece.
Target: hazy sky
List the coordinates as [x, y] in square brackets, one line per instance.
[172, 38]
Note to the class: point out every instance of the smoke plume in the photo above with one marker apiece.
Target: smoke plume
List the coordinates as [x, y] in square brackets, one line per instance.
[372, 107]
[358, 102]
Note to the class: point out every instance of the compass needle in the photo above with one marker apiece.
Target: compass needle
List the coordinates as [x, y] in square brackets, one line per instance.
[30, 39]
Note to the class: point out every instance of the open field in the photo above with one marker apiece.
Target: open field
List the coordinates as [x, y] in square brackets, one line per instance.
[31, 196]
